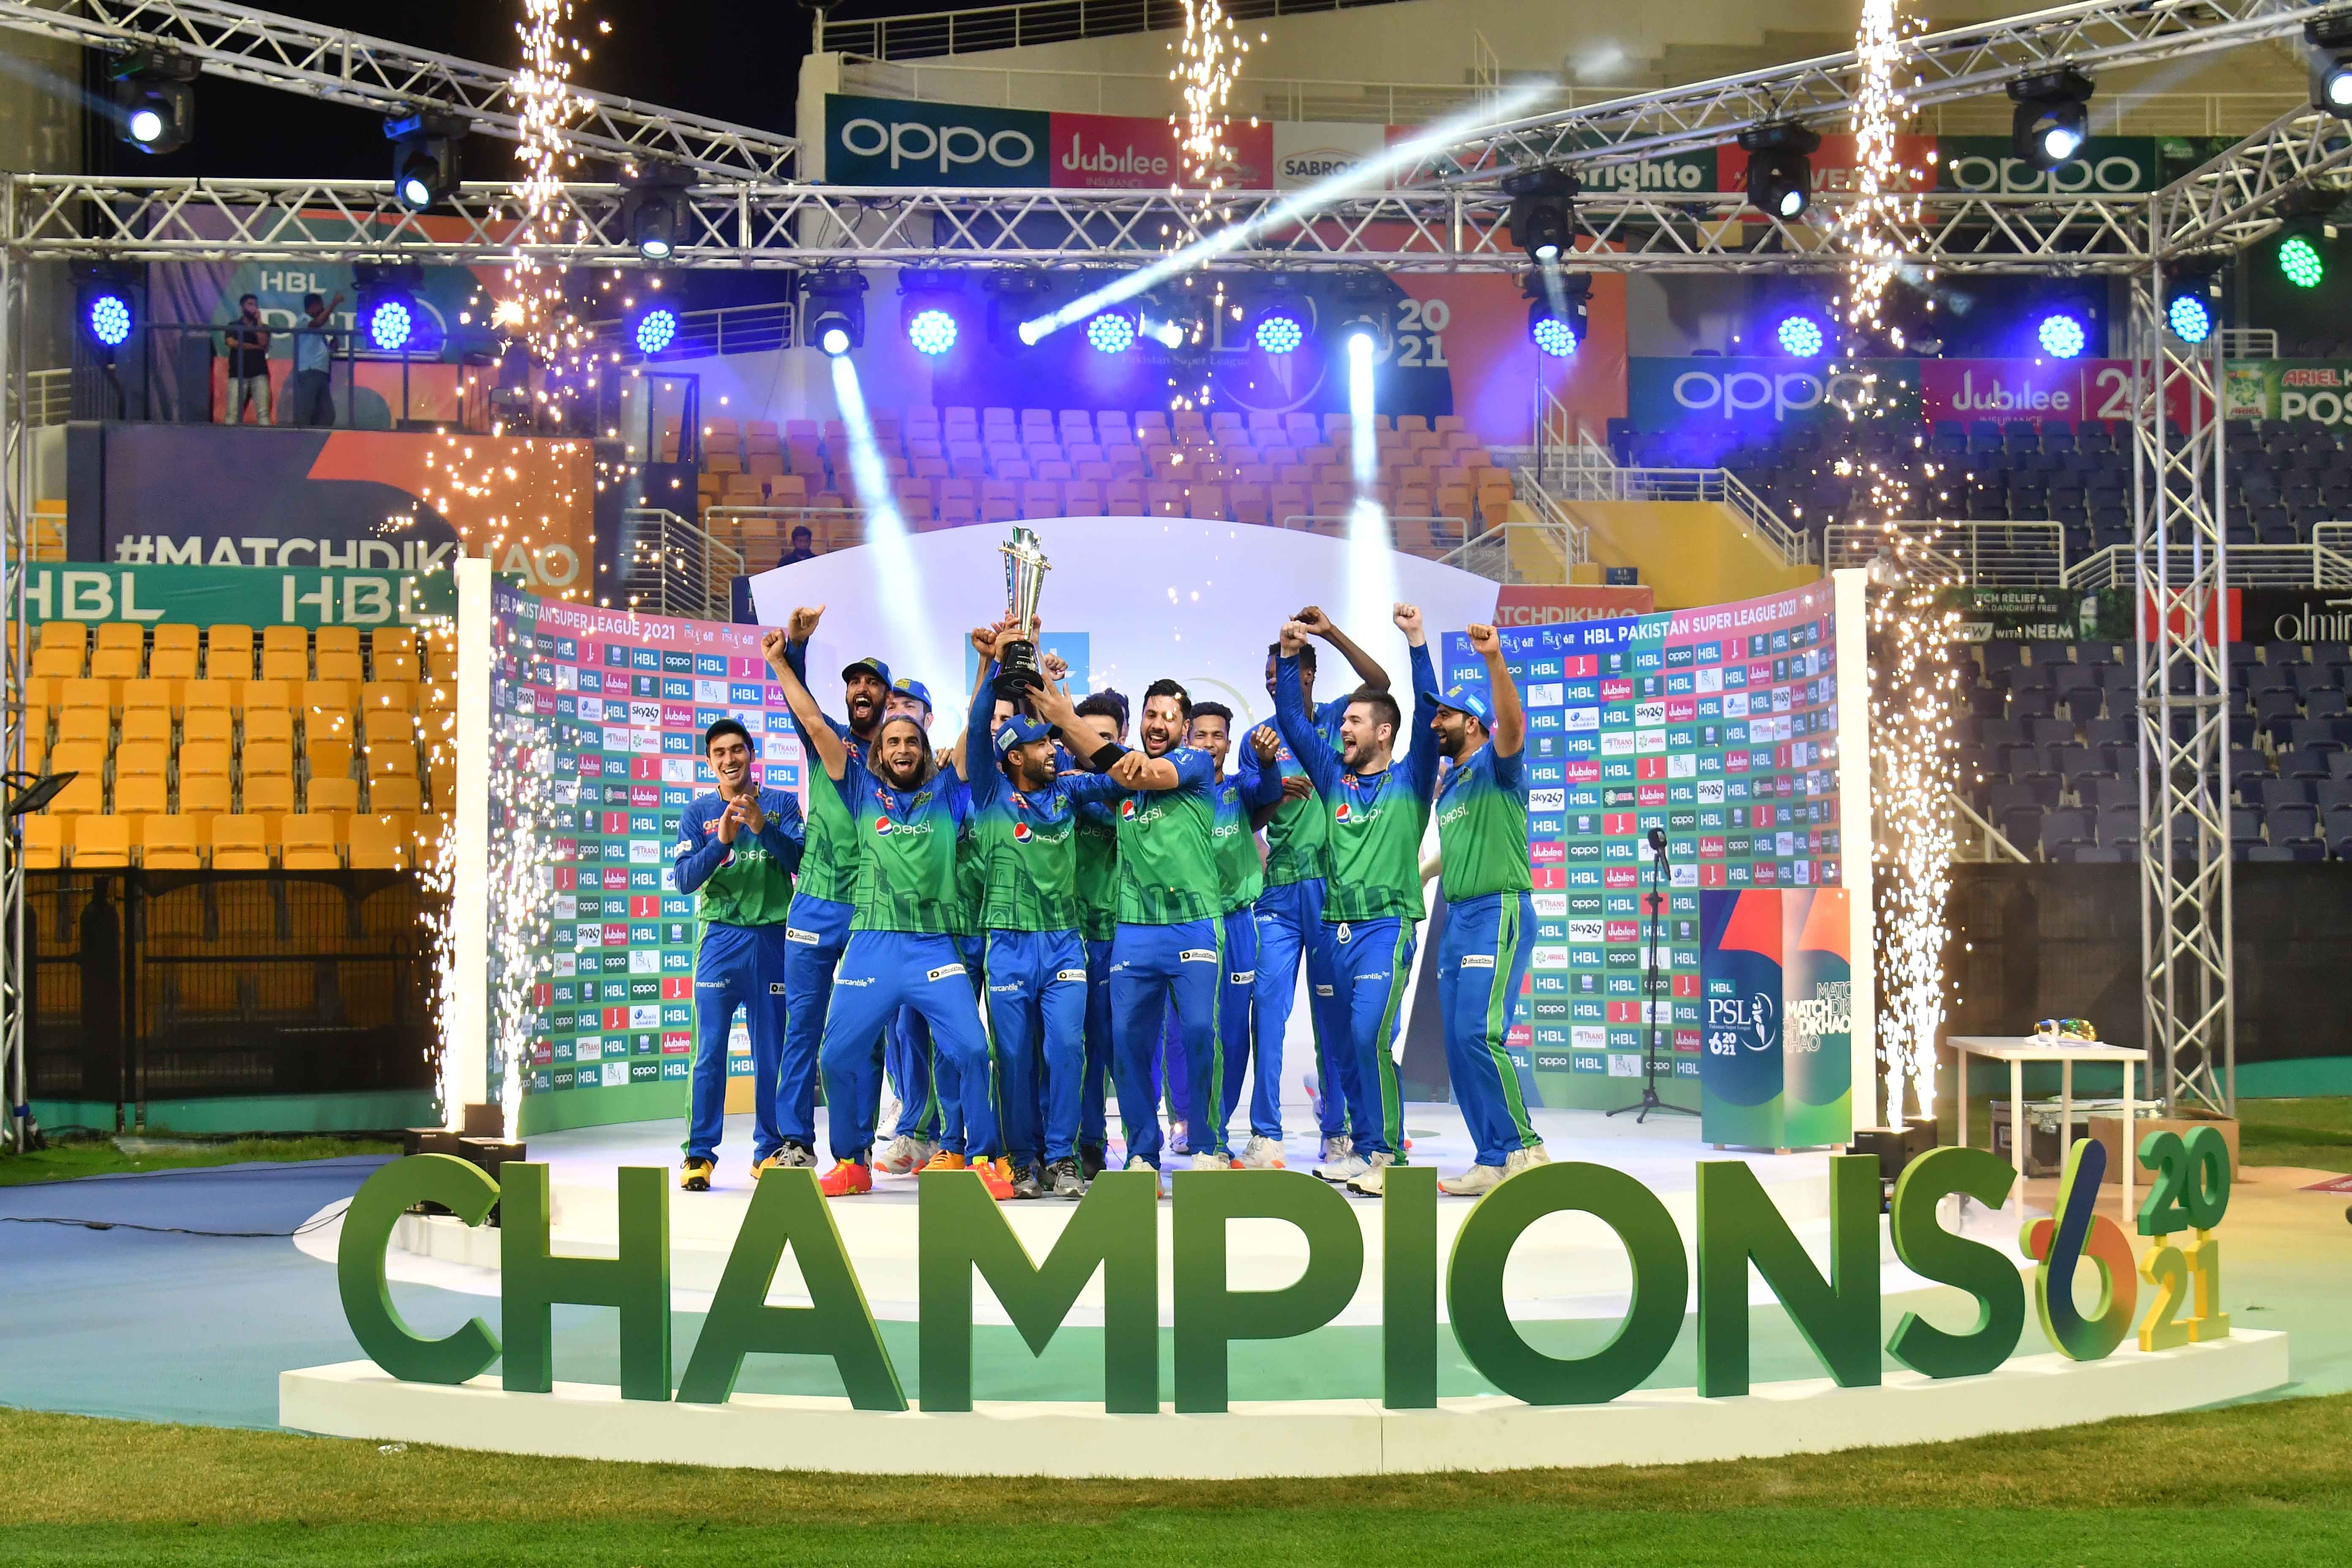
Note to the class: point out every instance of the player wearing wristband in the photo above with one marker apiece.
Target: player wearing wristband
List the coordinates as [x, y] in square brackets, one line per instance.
[907, 817]
[1482, 841]
[1378, 809]
[1243, 798]
[736, 849]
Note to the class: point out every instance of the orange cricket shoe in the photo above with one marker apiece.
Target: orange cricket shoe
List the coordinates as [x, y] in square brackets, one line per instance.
[996, 1175]
[945, 1160]
[847, 1179]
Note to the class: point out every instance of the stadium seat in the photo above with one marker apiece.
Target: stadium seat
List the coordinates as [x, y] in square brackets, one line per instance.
[381, 843]
[101, 843]
[142, 759]
[147, 724]
[393, 793]
[205, 794]
[173, 843]
[268, 795]
[241, 844]
[310, 841]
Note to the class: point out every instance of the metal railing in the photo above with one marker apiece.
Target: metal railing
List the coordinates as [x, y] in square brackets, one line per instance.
[1033, 22]
[2024, 554]
[729, 329]
[48, 396]
[762, 535]
[1786, 544]
[1537, 552]
[1139, 93]
[1974, 839]
[670, 566]
[2314, 565]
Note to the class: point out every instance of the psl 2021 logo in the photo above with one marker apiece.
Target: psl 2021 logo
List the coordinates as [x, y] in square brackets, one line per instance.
[2191, 1193]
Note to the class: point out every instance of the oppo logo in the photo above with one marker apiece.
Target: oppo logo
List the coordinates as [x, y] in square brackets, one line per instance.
[913, 143]
[2015, 176]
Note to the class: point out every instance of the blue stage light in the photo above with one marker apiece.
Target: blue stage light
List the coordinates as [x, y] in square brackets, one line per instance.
[1554, 335]
[391, 322]
[2190, 318]
[2061, 337]
[931, 330]
[109, 317]
[656, 330]
[1279, 333]
[1801, 337]
[1111, 332]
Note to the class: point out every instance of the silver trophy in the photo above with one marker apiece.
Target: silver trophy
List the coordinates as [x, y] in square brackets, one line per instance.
[1025, 581]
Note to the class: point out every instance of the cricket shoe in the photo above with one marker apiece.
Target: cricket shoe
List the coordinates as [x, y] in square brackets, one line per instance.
[944, 1160]
[1179, 1139]
[1064, 1180]
[1093, 1159]
[1475, 1182]
[1261, 1154]
[996, 1175]
[1367, 1184]
[694, 1176]
[847, 1179]
[1136, 1162]
[904, 1155]
[1029, 1181]
[1204, 1160]
[1526, 1159]
[1343, 1167]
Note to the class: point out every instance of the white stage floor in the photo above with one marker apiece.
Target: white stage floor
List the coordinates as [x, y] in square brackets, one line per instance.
[1565, 1266]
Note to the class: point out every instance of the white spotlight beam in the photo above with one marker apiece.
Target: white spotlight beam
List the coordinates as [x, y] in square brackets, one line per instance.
[1298, 208]
[898, 581]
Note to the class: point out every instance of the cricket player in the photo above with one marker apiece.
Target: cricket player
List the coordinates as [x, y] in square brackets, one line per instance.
[1244, 797]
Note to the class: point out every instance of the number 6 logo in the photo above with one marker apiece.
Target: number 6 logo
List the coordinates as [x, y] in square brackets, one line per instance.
[2057, 1245]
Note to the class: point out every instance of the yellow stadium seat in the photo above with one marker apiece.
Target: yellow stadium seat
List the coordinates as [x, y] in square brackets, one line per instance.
[221, 695]
[266, 694]
[228, 652]
[444, 786]
[101, 843]
[45, 841]
[271, 795]
[146, 724]
[173, 843]
[117, 664]
[336, 640]
[174, 636]
[37, 743]
[391, 760]
[74, 634]
[392, 641]
[285, 664]
[381, 843]
[269, 724]
[84, 796]
[142, 759]
[311, 842]
[325, 696]
[151, 694]
[201, 724]
[430, 831]
[384, 729]
[341, 665]
[40, 693]
[329, 759]
[329, 724]
[204, 794]
[62, 662]
[393, 793]
[79, 724]
[285, 639]
[122, 635]
[269, 759]
[203, 758]
[240, 843]
[398, 665]
[174, 664]
[86, 693]
[387, 696]
[141, 795]
[337, 795]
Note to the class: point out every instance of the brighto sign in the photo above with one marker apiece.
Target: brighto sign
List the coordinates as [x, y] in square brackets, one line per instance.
[912, 144]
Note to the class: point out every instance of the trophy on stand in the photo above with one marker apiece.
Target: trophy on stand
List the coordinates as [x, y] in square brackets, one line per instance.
[1024, 580]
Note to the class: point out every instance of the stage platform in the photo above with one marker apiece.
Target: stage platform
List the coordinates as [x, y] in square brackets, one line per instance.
[1566, 1266]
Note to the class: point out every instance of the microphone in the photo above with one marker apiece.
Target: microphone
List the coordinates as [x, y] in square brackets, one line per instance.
[1657, 840]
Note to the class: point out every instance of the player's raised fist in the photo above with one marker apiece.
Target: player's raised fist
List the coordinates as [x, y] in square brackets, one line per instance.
[1314, 622]
[1483, 638]
[1293, 635]
[771, 643]
[802, 625]
[983, 642]
[1408, 619]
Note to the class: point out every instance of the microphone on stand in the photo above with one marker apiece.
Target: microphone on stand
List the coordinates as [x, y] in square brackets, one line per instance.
[1657, 841]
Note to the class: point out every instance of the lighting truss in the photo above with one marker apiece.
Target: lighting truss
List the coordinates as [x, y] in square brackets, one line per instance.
[394, 79]
[1959, 63]
[790, 226]
[2229, 201]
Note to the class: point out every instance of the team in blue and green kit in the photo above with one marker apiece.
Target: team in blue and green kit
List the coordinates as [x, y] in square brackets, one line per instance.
[1043, 891]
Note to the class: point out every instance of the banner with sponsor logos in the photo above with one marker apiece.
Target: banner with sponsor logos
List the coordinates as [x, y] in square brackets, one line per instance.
[1540, 605]
[628, 697]
[1747, 397]
[2316, 390]
[1719, 726]
[204, 595]
[1776, 1070]
[2038, 615]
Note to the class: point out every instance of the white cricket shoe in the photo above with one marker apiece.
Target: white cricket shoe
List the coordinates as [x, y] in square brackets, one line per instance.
[1205, 1161]
[1475, 1182]
[1375, 1171]
[904, 1155]
[1526, 1159]
[1342, 1168]
[1263, 1154]
[1136, 1162]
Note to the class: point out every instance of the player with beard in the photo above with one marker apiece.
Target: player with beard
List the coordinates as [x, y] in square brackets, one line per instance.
[736, 849]
[1244, 799]
[1291, 930]
[907, 1061]
[1104, 715]
[1482, 842]
[823, 901]
[1378, 809]
[907, 817]
[1169, 945]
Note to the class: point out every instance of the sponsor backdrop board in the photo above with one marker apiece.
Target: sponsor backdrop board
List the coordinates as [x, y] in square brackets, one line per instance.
[1745, 398]
[628, 697]
[1718, 725]
[2316, 390]
[2038, 615]
[1776, 1070]
[248, 595]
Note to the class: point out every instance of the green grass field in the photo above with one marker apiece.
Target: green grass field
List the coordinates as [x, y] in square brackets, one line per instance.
[65, 1161]
[2313, 1134]
[2256, 1484]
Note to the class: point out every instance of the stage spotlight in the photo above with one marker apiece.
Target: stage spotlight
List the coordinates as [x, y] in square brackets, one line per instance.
[155, 100]
[1016, 299]
[1559, 307]
[2062, 336]
[390, 319]
[2330, 38]
[2053, 118]
[656, 215]
[931, 330]
[1543, 210]
[1801, 337]
[1361, 307]
[106, 307]
[654, 330]
[1280, 323]
[930, 302]
[424, 158]
[2189, 315]
[2300, 261]
[1781, 168]
[1111, 332]
[832, 309]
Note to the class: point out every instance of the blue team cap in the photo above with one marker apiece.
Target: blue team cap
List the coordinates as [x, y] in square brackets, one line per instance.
[1463, 699]
[872, 666]
[1020, 730]
[907, 686]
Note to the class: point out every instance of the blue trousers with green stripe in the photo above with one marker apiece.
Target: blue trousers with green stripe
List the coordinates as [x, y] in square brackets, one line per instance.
[1481, 963]
[1371, 961]
[1152, 966]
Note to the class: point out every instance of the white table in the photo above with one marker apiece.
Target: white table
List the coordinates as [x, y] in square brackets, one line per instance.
[2019, 1049]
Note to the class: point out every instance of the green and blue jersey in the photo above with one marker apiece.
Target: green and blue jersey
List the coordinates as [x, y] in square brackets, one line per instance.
[1297, 845]
[1482, 825]
[1167, 845]
[1026, 843]
[829, 861]
[1374, 822]
[1241, 874]
[749, 882]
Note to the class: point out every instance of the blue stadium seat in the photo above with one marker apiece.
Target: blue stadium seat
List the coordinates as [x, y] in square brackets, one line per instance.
[2274, 712]
[2245, 826]
[2001, 733]
[2050, 731]
[2034, 705]
[2275, 654]
[2324, 705]
[2305, 765]
[2336, 825]
[2276, 792]
[2120, 732]
[2292, 825]
[2020, 824]
[2107, 794]
[2317, 735]
[2119, 824]
[2065, 830]
[2004, 798]
[2332, 794]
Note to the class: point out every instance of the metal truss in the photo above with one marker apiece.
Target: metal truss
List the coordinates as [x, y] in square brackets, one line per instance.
[2182, 548]
[393, 79]
[1959, 63]
[16, 557]
[72, 217]
[2232, 201]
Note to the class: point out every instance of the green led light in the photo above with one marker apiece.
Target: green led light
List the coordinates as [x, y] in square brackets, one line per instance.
[2299, 260]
